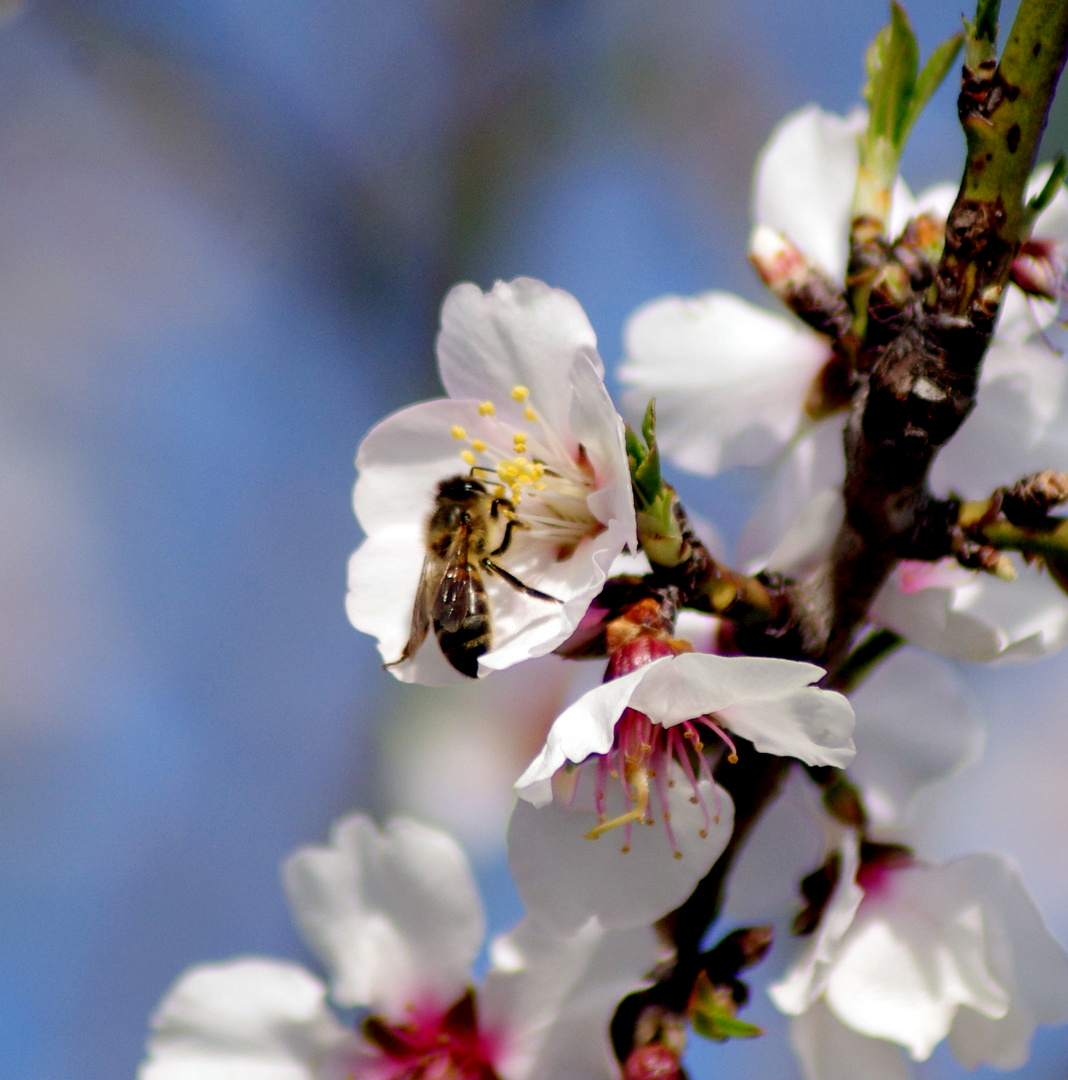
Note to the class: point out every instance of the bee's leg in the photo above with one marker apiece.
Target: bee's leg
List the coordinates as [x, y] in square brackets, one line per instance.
[511, 524]
[516, 584]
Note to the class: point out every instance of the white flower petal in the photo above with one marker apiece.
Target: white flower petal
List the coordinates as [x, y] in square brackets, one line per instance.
[402, 458]
[915, 953]
[584, 728]
[914, 727]
[828, 1050]
[804, 183]
[553, 997]
[564, 878]
[395, 917]
[767, 701]
[1023, 956]
[1018, 426]
[519, 333]
[798, 517]
[729, 378]
[248, 1019]
[805, 981]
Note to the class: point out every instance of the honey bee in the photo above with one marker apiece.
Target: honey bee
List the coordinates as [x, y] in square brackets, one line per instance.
[468, 528]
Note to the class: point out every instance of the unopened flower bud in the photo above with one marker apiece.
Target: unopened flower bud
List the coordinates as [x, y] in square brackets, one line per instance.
[654, 1061]
[1039, 269]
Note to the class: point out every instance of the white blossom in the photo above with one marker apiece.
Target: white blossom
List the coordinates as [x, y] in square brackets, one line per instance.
[913, 954]
[730, 381]
[396, 921]
[528, 417]
[631, 739]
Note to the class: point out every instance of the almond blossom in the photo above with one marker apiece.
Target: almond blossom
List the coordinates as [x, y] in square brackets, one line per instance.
[396, 921]
[716, 356]
[630, 751]
[529, 421]
[912, 954]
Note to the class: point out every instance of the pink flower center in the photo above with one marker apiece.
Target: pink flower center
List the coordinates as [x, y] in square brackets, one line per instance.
[432, 1046]
[639, 762]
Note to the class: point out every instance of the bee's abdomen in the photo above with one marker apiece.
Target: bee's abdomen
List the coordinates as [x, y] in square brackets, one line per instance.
[463, 645]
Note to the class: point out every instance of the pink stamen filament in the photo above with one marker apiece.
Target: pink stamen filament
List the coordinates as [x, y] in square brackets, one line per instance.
[640, 760]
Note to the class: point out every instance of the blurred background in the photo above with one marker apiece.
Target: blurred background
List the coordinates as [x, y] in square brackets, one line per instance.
[225, 233]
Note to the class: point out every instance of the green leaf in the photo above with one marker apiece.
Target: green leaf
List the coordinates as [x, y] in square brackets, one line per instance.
[1049, 189]
[892, 61]
[930, 79]
[711, 1010]
[645, 460]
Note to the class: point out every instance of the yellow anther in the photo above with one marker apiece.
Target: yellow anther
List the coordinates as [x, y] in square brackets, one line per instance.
[525, 478]
[732, 758]
[530, 414]
[539, 487]
[520, 448]
[520, 393]
[458, 432]
[498, 491]
[519, 439]
[487, 408]
[478, 445]
[468, 456]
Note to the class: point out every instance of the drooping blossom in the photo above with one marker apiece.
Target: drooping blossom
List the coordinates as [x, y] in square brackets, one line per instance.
[913, 954]
[395, 919]
[529, 419]
[750, 369]
[629, 754]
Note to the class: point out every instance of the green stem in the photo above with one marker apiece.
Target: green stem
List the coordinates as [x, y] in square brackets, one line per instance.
[1049, 542]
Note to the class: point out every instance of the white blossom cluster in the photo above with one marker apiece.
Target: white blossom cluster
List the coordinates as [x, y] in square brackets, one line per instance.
[619, 816]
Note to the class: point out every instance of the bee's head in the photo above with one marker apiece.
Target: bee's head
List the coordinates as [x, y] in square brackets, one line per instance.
[461, 489]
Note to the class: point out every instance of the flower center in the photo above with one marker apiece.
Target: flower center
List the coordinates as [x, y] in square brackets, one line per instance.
[640, 762]
[431, 1046]
[546, 484]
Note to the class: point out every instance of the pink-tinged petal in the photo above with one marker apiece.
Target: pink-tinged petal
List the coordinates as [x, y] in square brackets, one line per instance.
[729, 378]
[804, 183]
[394, 916]
[806, 979]
[551, 998]
[563, 878]
[519, 333]
[248, 1019]
[982, 621]
[599, 429]
[914, 728]
[916, 952]
[828, 1050]
[1023, 956]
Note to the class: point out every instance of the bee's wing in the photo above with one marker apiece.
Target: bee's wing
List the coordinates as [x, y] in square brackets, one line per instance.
[456, 594]
[420, 610]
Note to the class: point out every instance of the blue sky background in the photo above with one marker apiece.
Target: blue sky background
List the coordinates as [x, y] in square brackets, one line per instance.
[226, 230]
